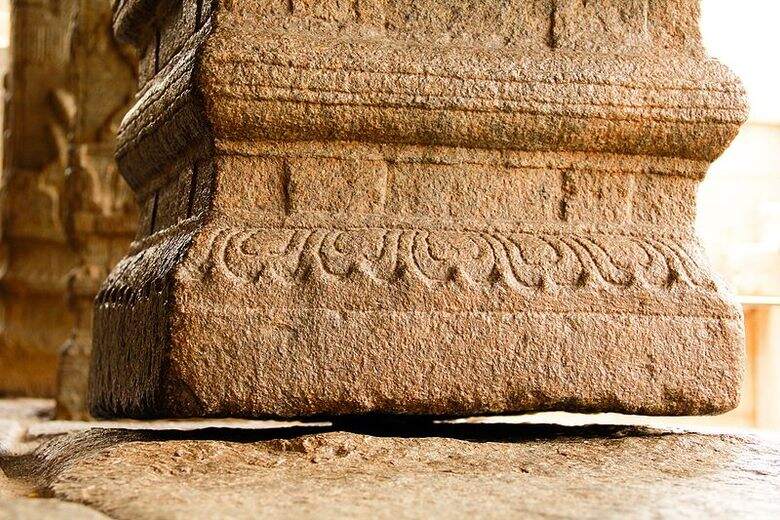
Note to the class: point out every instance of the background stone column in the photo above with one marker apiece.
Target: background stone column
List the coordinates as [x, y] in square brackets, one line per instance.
[35, 319]
[418, 207]
[100, 212]
[68, 216]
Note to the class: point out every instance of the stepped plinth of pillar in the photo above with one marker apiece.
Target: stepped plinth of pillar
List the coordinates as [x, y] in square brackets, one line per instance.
[418, 208]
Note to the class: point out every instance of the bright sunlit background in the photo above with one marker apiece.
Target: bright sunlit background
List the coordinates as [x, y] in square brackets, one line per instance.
[744, 35]
[739, 203]
[739, 206]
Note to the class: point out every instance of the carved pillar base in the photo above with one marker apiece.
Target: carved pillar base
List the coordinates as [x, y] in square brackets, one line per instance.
[406, 208]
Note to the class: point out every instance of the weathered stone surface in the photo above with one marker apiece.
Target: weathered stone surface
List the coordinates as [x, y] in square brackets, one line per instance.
[19, 500]
[17, 503]
[418, 208]
[17, 416]
[444, 471]
[379, 468]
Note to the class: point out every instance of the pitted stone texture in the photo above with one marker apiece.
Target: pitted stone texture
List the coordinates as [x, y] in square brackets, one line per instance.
[418, 208]
[17, 502]
[445, 471]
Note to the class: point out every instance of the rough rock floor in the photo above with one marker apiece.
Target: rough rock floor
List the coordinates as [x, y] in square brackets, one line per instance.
[250, 470]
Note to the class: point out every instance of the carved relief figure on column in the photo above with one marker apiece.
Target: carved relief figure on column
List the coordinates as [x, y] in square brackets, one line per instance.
[415, 207]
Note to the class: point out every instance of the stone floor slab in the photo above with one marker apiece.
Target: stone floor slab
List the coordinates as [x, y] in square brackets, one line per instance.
[444, 470]
[45, 509]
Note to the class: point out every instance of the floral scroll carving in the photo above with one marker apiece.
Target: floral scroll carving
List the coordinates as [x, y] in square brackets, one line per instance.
[517, 259]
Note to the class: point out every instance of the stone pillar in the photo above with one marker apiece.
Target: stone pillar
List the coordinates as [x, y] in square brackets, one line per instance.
[100, 211]
[68, 215]
[35, 317]
[418, 207]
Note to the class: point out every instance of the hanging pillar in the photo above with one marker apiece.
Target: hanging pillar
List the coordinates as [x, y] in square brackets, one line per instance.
[415, 207]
